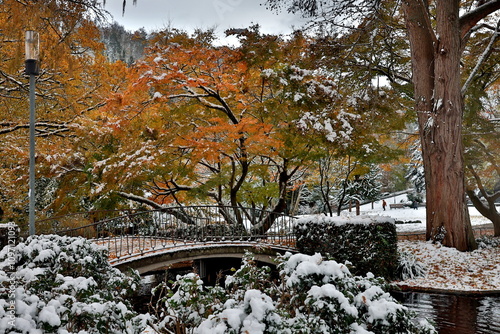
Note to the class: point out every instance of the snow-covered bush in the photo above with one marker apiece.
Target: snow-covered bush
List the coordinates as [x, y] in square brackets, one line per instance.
[409, 267]
[182, 304]
[54, 284]
[487, 241]
[311, 295]
[369, 243]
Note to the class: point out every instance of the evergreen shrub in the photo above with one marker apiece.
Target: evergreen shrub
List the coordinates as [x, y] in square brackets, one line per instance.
[64, 285]
[312, 295]
[369, 244]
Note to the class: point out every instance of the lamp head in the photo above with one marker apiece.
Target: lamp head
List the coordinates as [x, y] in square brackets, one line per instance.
[32, 49]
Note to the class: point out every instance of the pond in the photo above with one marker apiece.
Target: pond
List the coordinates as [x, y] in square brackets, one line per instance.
[455, 314]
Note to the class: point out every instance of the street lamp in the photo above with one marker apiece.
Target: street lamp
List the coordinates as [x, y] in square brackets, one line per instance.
[32, 69]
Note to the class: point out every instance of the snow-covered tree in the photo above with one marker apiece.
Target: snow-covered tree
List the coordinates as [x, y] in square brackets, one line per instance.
[360, 188]
[415, 172]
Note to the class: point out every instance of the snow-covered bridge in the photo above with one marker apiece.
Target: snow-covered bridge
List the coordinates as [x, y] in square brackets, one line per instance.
[152, 240]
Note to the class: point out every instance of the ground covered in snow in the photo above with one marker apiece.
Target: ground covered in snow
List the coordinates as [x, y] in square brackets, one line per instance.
[446, 268]
[411, 215]
[451, 270]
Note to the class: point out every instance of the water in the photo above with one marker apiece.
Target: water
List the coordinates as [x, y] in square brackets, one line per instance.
[454, 314]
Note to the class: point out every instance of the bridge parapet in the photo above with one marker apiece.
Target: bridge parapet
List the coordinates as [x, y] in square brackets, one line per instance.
[139, 233]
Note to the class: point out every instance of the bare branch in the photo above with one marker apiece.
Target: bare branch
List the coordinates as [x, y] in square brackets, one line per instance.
[484, 56]
[140, 199]
[470, 19]
[41, 127]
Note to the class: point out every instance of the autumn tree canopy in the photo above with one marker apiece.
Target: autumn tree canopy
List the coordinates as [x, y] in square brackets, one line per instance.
[192, 122]
[72, 82]
[235, 126]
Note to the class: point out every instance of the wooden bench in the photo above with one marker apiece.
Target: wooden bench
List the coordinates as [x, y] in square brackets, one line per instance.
[397, 206]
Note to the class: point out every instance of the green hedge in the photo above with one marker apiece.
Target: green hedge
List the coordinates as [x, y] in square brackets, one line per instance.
[368, 243]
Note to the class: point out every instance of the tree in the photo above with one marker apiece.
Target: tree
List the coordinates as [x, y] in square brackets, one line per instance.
[341, 181]
[224, 121]
[438, 33]
[123, 45]
[483, 167]
[415, 172]
[481, 125]
[231, 126]
[66, 88]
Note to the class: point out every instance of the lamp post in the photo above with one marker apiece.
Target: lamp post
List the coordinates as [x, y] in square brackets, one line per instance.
[32, 69]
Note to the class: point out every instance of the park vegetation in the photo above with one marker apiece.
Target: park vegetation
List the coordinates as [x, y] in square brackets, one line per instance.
[317, 119]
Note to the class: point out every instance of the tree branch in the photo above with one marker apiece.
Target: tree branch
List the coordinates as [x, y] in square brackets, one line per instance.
[140, 199]
[42, 132]
[470, 19]
[225, 107]
[484, 56]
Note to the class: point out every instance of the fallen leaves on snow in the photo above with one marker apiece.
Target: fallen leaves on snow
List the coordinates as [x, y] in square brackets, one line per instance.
[450, 269]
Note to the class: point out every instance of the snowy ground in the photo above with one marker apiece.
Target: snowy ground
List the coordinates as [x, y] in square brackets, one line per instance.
[451, 270]
[447, 268]
[408, 214]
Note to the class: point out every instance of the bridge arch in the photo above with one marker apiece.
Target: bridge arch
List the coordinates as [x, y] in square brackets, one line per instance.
[163, 259]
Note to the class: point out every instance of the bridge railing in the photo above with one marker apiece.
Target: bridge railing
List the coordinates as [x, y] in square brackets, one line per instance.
[138, 233]
[75, 220]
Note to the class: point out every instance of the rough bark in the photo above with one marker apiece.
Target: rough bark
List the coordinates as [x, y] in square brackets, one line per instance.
[439, 106]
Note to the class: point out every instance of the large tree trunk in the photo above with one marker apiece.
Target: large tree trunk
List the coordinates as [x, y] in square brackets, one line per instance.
[439, 106]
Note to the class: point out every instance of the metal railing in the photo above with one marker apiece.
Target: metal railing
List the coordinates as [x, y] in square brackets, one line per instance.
[75, 220]
[138, 233]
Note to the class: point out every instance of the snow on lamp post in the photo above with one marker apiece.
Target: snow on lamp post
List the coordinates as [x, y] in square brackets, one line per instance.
[32, 69]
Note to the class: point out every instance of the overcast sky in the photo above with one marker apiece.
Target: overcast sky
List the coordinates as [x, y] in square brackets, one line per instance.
[191, 14]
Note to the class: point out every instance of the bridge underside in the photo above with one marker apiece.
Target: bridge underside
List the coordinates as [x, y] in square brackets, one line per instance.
[145, 263]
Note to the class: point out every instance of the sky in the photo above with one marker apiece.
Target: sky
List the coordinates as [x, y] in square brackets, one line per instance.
[192, 14]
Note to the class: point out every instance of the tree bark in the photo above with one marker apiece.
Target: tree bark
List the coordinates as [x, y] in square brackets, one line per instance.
[439, 106]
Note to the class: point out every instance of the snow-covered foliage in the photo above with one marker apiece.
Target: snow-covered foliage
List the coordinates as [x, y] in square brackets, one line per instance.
[369, 243]
[409, 267]
[53, 284]
[311, 295]
[488, 242]
[365, 188]
[415, 172]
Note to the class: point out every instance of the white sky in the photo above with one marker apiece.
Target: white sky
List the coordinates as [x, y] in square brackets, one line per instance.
[191, 14]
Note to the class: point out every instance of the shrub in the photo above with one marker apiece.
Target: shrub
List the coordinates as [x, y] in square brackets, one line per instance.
[368, 243]
[311, 295]
[488, 241]
[409, 267]
[64, 285]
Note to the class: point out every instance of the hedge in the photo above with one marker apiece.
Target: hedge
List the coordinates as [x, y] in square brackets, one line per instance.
[368, 243]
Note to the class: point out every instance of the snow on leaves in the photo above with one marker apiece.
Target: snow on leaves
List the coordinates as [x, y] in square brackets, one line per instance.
[65, 285]
[312, 295]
